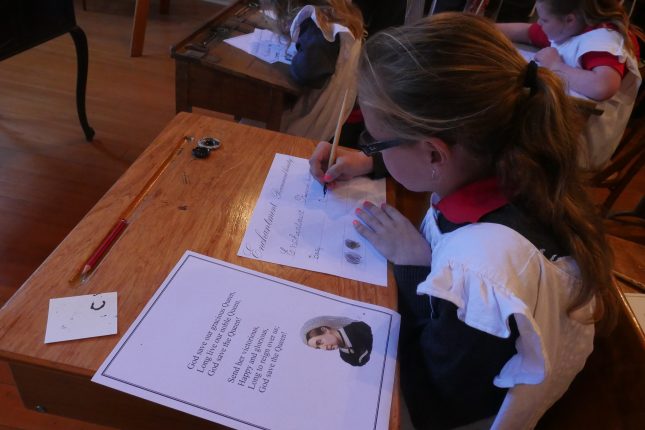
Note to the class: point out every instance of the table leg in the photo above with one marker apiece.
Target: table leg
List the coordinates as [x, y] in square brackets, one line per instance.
[80, 42]
[274, 117]
[182, 84]
[141, 10]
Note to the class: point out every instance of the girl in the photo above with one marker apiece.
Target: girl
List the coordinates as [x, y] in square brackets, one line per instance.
[328, 36]
[499, 291]
[591, 46]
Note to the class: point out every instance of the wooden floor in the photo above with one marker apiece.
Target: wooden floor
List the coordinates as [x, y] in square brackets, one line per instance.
[50, 176]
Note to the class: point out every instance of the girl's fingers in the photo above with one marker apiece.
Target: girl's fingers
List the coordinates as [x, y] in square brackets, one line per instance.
[393, 213]
[335, 171]
[378, 213]
[367, 218]
[373, 216]
[318, 160]
[364, 231]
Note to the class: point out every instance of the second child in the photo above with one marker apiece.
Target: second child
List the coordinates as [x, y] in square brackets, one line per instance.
[591, 46]
[328, 35]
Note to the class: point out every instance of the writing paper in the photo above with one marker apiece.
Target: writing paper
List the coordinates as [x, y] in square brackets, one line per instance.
[224, 343]
[265, 45]
[79, 317]
[295, 224]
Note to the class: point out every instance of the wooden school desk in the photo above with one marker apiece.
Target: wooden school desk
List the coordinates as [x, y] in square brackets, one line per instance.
[199, 204]
[212, 74]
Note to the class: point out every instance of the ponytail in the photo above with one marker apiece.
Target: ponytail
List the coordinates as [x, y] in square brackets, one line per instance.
[540, 174]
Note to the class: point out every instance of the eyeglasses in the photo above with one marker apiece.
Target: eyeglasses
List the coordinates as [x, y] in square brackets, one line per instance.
[371, 146]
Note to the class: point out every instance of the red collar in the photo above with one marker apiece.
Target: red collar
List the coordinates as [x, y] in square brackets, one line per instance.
[471, 202]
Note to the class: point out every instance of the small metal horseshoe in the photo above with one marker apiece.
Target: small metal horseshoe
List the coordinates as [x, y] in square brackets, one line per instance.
[100, 307]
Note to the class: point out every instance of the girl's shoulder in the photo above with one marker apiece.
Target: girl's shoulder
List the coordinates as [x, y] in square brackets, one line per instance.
[488, 268]
[601, 38]
[496, 251]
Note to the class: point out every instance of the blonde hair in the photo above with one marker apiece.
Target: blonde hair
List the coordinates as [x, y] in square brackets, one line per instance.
[595, 12]
[456, 77]
[328, 12]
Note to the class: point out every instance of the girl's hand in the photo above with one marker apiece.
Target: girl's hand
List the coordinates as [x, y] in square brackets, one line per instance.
[393, 235]
[348, 164]
[549, 58]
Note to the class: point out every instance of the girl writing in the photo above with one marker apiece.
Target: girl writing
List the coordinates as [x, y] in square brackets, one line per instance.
[328, 36]
[499, 290]
[591, 46]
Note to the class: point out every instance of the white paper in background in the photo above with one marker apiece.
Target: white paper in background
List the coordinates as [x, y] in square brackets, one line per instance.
[224, 343]
[637, 303]
[296, 225]
[265, 45]
[79, 317]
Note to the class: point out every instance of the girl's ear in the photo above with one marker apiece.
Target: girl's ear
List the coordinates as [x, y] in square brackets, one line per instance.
[575, 22]
[437, 151]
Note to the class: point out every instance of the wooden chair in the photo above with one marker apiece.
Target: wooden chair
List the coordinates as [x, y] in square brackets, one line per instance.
[141, 9]
[626, 162]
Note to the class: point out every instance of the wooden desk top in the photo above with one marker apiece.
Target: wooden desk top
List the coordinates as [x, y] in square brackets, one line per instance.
[237, 19]
[201, 205]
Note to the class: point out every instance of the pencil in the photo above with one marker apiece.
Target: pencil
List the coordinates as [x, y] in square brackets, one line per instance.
[113, 235]
[339, 126]
[103, 248]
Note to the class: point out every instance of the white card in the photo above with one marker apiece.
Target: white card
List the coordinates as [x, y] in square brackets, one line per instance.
[79, 317]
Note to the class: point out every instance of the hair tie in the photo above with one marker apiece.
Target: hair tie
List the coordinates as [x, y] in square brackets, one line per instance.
[530, 79]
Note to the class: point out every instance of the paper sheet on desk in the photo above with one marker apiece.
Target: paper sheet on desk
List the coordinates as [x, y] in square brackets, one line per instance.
[265, 45]
[637, 303]
[296, 225]
[225, 343]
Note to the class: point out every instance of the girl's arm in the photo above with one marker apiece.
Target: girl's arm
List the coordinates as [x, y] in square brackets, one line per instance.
[518, 32]
[600, 83]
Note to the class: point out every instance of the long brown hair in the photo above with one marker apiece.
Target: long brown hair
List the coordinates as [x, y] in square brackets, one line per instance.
[595, 12]
[456, 77]
[341, 12]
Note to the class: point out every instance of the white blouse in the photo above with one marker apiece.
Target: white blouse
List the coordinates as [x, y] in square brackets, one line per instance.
[491, 272]
[603, 132]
